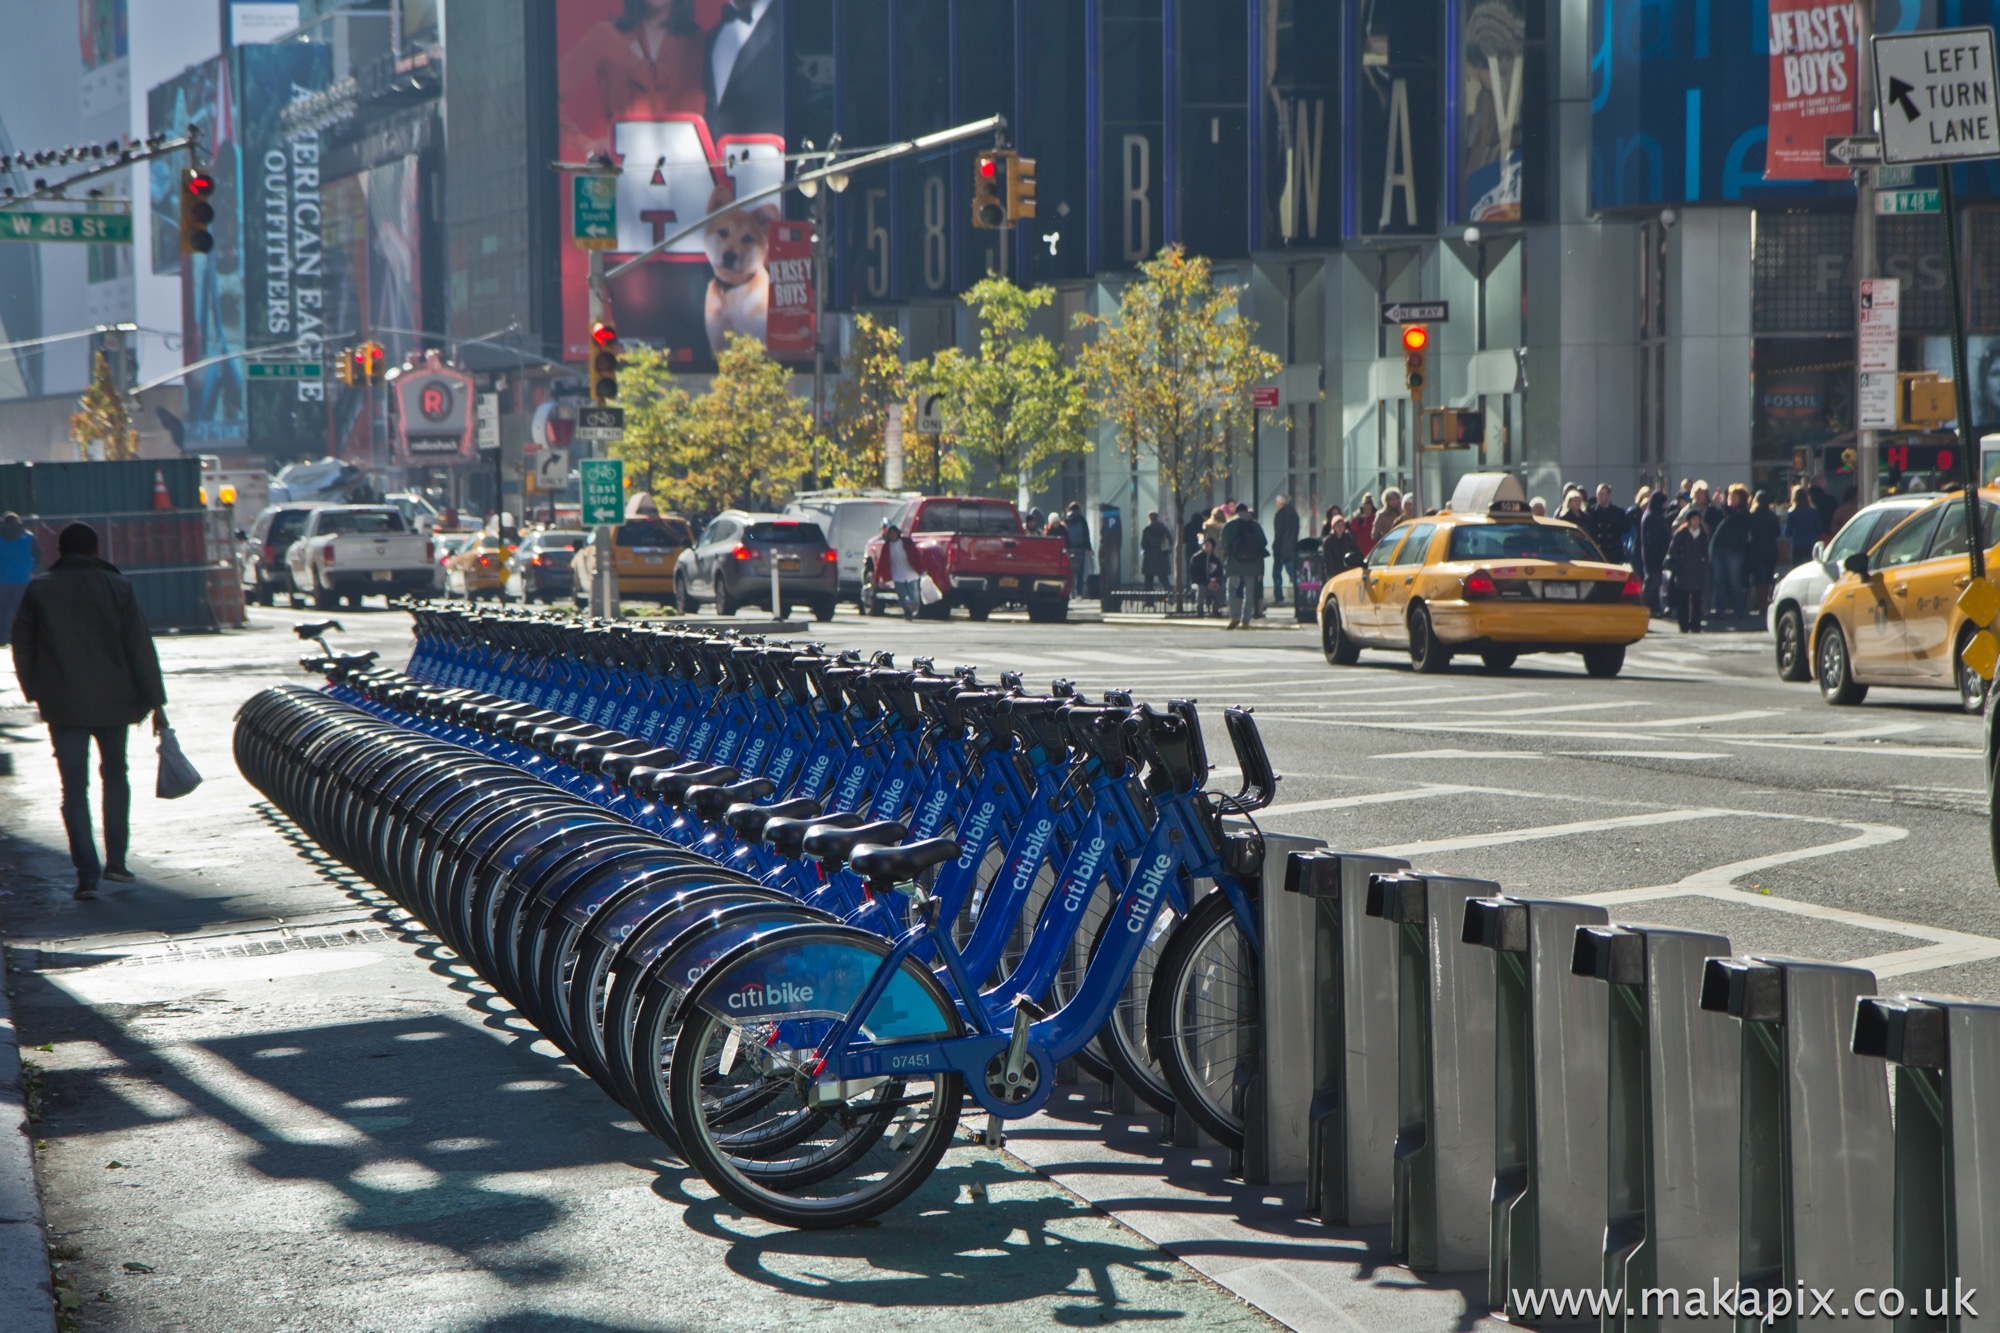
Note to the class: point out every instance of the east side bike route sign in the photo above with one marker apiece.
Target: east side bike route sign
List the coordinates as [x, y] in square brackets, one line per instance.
[1938, 95]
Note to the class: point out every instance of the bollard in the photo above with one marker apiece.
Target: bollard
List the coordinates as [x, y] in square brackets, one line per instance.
[1549, 1099]
[1351, 1121]
[1672, 1156]
[1947, 1220]
[1444, 1060]
[1276, 1126]
[1818, 1148]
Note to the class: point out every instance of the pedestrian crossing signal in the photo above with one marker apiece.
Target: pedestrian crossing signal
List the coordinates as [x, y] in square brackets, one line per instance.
[1453, 429]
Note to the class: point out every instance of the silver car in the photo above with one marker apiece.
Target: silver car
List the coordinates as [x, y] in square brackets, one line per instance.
[1795, 601]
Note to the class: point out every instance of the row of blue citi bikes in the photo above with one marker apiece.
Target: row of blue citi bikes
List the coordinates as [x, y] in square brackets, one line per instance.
[793, 908]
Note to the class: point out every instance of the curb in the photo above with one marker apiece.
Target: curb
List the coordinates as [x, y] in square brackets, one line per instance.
[25, 1293]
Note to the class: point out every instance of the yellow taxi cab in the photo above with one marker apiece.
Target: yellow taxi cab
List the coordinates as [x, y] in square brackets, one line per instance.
[646, 548]
[479, 568]
[1495, 581]
[1892, 617]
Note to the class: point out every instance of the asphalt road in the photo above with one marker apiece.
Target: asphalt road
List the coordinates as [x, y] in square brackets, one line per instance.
[290, 1110]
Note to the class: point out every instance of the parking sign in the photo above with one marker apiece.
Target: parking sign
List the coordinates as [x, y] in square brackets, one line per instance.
[602, 481]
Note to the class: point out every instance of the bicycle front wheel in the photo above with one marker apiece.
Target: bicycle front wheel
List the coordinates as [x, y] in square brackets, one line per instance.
[748, 1056]
[1203, 1017]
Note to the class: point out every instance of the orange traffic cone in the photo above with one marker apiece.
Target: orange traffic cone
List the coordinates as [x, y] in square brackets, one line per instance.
[161, 500]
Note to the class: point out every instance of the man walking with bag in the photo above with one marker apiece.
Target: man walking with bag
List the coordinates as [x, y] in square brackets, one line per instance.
[84, 655]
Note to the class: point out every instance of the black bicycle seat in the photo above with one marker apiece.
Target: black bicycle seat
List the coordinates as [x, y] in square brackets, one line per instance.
[787, 835]
[709, 802]
[674, 787]
[620, 767]
[312, 629]
[749, 820]
[882, 866]
[834, 845]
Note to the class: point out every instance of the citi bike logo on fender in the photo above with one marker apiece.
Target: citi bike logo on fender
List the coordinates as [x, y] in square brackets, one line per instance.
[816, 774]
[975, 835]
[933, 810]
[1149, 893]
[1031, 855]
[892, 795]
[1086, 875]
[850, 787]
[754, 996]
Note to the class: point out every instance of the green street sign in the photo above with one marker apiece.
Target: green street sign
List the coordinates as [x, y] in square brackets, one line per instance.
[23, 224]
[1890, 203]
[593, 212]
[602, 481]
[285, 370]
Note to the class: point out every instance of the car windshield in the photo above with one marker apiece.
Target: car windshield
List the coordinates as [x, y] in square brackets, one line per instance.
[786, 533]
[1521, 541]
[549, 540]
[360, 522]
[654, 532]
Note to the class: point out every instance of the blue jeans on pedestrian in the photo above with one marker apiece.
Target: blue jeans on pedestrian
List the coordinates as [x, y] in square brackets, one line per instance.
[1279, 569]
[72, 746]
[910, 592]
[1243, 589]
[1728, 576]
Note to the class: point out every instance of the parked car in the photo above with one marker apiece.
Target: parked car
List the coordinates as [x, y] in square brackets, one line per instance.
[265, 548]
[480, 567]
[348, 552]
[647, 549]
[539, 569]
[978, 557]
[731, 564]
[850, 519]
[419, 513]
[1795, 601]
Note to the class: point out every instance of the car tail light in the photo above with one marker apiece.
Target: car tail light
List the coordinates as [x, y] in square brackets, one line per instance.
[485, 560]
[270, 554]
[1634, 589]
[831, 557]
[326, 554]
[742, 552]
[1479, 584]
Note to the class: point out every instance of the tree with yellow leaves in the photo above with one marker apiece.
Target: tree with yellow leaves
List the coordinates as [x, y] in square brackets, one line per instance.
[100, 419]
[744, 444]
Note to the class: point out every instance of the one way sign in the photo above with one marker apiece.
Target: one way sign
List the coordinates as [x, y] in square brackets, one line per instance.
[1416, 312]
[1938, 96]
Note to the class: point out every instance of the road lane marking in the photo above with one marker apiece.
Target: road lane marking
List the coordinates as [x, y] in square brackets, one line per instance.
[1643, 754]
[1382, 798]
[1507, 837]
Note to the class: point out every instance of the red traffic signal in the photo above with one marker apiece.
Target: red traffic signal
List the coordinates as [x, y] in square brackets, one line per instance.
[1416, 337]
[604, 363]
[989, 169]
[603, 334]
[197, 213]
[199, 183]
[989, 210]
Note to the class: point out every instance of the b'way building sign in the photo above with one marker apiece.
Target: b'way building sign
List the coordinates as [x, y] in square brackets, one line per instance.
[1938, 96]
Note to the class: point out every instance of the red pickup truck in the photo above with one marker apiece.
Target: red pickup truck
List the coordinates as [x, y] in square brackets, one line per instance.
[976, 553]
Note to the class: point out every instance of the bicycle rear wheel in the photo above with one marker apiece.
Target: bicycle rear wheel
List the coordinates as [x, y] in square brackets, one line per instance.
[1122, 1044]
[1203, 1017]
[744, 1066]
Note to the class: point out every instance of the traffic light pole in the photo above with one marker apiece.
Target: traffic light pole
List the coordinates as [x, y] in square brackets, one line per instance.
[1867, 447]
[604, 565]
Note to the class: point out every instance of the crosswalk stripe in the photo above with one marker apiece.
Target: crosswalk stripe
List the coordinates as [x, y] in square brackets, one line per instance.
[1506, 837]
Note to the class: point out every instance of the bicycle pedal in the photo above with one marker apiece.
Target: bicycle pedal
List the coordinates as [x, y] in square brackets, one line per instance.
[993, 1137]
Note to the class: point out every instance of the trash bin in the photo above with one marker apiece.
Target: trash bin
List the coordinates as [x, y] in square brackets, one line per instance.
[1444, 1045]
[1351, 1119]
[1818, 1147]
[1550, 1095]
[1947, 1220]
[1672, 1161]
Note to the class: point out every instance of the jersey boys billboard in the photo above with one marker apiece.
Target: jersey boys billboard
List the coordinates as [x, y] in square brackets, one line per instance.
[688, 98]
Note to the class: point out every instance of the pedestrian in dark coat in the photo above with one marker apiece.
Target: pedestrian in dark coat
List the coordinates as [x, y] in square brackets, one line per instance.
[84, 655]
[1156, 552]
[1656, 533]
[1284, 546]
[1688, 570]
[1760, 562]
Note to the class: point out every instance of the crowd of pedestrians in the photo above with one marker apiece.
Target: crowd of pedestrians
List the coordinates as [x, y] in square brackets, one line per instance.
[1706, 552]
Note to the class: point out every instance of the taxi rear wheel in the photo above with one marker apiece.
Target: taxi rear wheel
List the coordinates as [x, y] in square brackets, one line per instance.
[1333, 641]
[1427, 655]
[1835, 668]
[1604, 661]
[1971, 686]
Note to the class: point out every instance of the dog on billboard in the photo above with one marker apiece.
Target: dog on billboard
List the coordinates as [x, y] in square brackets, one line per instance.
[737, 243]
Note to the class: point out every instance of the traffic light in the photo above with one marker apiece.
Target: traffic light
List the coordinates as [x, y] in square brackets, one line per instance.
[344, 372]
[603, 363]
[989, 178]
[197, 212]
[365, 364]
[1925, 400]
[1020, 187]
[1416, 340]
[1455, 429]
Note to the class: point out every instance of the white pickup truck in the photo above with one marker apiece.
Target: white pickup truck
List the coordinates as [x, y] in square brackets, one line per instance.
[348, 552]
